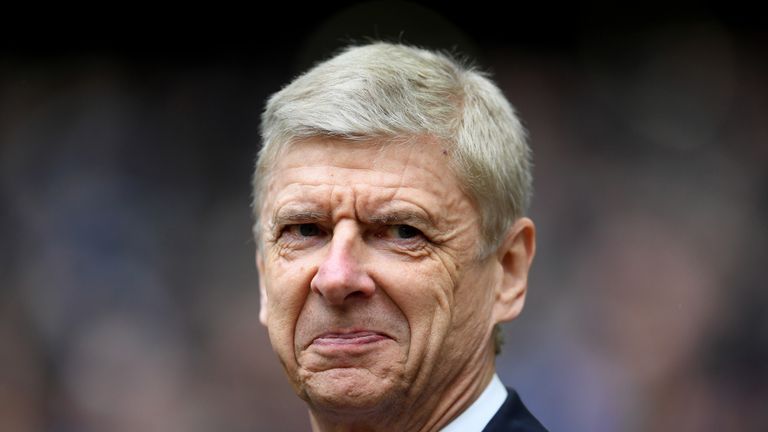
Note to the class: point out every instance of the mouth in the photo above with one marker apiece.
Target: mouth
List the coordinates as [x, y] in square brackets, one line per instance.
[357, 337]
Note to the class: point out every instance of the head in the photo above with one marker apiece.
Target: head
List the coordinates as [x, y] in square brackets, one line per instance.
[389, 200]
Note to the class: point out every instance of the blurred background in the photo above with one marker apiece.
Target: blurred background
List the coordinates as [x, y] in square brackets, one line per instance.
[128, 294]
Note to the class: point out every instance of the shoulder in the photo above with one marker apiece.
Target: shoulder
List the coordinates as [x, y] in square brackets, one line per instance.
[513, 416]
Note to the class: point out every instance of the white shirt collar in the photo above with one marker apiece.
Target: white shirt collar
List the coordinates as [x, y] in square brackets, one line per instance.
[477, 416]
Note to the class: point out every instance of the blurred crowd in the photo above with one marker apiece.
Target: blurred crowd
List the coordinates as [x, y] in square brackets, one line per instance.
[128, 291]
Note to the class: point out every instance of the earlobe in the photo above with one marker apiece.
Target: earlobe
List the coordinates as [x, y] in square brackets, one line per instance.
[515, 257]
[263, 300]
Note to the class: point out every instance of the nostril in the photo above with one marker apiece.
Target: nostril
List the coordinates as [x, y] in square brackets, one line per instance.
[356, 295]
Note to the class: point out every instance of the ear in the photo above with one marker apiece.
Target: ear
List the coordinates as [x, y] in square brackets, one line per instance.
[515, 256]
[264, 300]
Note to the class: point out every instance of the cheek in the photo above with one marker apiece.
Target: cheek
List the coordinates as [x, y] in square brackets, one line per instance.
[287, 288]
[423, 292]
[475, 298]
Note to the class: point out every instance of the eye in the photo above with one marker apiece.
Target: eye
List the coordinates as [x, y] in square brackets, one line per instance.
[299, 231]
[401, 232]
[307, 230]
[404, 231]
[402, 237]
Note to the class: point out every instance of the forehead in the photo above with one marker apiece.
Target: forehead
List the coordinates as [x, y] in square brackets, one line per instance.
[379, 154]
[417, 170]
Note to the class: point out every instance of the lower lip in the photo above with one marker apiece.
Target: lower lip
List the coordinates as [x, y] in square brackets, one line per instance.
[361, 338]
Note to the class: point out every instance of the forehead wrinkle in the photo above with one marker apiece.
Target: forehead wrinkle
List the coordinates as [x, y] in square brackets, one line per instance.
[442, 174]
[408, 202]
[293, 198]
[318, 170]
[383, 206]
[435, 209]
[391, 186]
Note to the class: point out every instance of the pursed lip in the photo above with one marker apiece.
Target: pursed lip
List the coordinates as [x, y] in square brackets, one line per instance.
[349, 337]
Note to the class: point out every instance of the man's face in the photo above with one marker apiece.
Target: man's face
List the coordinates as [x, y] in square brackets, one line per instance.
[372, 291]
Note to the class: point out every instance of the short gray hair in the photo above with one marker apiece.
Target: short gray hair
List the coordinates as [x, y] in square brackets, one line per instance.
[390, 91]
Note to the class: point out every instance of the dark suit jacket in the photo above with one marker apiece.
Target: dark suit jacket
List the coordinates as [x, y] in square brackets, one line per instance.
[513, 416]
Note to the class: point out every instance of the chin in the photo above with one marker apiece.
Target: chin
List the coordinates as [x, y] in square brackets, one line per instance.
[349, 390]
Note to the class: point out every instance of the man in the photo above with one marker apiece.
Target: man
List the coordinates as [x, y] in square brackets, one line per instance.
[389, 196]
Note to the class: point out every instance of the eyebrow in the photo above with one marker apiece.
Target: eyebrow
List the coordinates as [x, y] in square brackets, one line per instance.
[387, 217]
[401, 216]
[289, 216]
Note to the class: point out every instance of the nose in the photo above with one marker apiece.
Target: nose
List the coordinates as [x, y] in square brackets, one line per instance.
[341, 275]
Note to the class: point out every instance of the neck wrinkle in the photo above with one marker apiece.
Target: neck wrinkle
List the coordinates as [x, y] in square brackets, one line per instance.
[462, 390]
[459, 396]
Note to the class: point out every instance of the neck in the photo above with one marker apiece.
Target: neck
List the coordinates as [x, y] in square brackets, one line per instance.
[429, 411]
